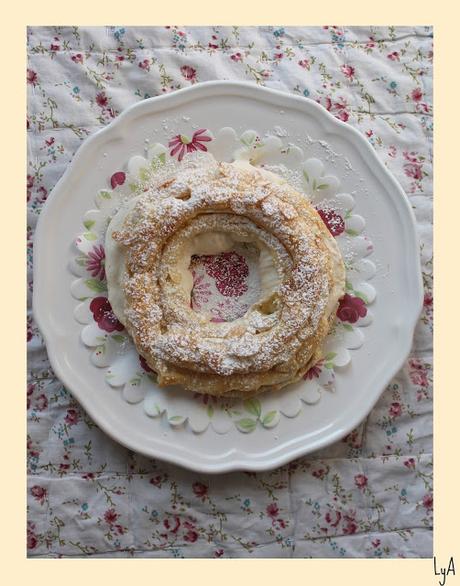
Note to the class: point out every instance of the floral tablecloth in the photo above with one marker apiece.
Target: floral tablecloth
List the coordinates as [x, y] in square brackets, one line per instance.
[369, 495]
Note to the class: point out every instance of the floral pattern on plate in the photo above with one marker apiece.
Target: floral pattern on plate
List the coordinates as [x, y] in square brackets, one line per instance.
[215, 288]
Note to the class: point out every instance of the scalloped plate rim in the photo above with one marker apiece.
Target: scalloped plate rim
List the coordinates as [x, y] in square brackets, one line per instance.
[234, 458]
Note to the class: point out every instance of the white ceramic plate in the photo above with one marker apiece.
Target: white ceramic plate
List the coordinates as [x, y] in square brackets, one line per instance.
[389, 224]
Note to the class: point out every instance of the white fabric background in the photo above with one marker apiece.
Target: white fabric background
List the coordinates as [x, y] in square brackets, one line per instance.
[369, 495]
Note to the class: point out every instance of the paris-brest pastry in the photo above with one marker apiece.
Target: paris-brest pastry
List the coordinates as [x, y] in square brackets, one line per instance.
[206, 207]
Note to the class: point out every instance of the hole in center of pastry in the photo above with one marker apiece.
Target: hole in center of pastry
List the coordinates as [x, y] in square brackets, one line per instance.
[228, 276]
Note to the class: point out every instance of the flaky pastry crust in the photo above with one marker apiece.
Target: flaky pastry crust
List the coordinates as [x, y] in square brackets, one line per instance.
[280, 336]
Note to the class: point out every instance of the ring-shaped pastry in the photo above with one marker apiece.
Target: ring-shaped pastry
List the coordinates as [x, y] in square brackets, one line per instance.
[206, 207]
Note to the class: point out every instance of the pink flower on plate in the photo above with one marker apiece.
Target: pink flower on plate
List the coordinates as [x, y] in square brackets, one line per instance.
[117, 178]
[95, 264]
[314, 371]
[334, 221]
[236, 57]
[78, 58]
[351, 309]
[189, 73]
[348, 71]
[32, 77]
[394, 56]
[104, 316]
[181, 144]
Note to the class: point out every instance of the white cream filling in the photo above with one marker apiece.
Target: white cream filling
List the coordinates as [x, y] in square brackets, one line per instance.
[115, 261]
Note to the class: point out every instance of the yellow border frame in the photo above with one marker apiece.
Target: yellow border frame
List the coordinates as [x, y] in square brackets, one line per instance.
[447, 212]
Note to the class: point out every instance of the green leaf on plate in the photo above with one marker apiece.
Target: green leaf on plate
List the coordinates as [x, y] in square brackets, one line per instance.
[269, 417]
[246, 425]
[352, 232]
[361, 296]
[347, 327]
[253, 406]
[96, 285]
[90, 236]
[118, 338]
[322, 186]
[176, 418]
[88, 224]
[81, 261]
[210, 411]
[105, 194]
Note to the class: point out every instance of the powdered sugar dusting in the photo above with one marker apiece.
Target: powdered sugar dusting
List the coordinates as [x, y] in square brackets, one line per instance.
[172, 335]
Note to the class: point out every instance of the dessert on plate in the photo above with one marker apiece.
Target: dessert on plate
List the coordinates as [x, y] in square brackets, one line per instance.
[205, 207]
